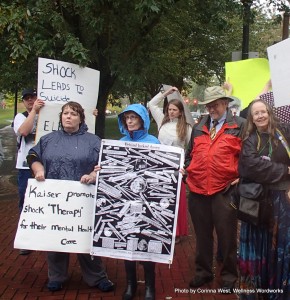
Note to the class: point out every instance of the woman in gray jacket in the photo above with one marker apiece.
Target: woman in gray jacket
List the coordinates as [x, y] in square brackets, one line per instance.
[69, 154]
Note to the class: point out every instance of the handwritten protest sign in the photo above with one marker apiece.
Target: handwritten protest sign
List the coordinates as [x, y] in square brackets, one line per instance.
[279, 59]
[60, 82]
[248, 78]
[57, 216]
[137, 201]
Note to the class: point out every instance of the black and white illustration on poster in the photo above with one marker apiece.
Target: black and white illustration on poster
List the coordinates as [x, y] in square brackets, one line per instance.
[57, 216]
[137, 199]
[60, 82]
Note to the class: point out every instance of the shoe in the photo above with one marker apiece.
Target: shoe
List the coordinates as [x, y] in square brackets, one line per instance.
[24, 252]
[54, 286]
[149, 292]
[199, 281]
[227, 288]
[106, 285]
[130, 292]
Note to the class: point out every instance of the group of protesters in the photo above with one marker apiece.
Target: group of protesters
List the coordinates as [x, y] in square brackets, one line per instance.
[220, 149]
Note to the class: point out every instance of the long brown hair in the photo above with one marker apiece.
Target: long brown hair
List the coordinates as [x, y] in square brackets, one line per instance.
[251, 127]
[181, 128]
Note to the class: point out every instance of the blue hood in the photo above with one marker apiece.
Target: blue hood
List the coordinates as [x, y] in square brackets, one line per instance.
[138, 135]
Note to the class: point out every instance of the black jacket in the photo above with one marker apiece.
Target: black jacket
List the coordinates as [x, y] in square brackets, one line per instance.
[253, 166]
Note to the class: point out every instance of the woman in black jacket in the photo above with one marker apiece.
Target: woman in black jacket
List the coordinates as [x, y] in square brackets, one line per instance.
[265, 251]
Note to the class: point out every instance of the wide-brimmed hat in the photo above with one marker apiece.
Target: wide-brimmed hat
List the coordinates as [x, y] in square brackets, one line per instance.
[30, 91]
[214, 93]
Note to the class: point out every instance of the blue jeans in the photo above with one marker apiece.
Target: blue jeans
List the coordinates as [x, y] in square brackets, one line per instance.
[22, 180]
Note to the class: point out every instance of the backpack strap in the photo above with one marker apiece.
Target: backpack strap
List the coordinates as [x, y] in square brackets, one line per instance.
[25, 113]
[283, 141]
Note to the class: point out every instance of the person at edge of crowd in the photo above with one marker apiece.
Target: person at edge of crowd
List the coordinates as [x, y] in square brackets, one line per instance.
[211, 164]
[235, 105]
[24, 125]
[264, 260]
[134, 123]
[173, 130]
[70, 154]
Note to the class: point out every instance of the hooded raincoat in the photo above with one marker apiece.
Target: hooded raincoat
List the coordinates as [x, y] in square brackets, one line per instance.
[141, 135]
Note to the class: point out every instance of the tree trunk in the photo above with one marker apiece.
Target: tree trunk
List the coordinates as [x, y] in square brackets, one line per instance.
[106, 83]
[285, 30]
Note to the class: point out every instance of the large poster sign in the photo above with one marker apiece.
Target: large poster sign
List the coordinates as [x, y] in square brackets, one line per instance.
[57, 216]
[279, 59]
[248, 78]
[60, 82]
[137, 199]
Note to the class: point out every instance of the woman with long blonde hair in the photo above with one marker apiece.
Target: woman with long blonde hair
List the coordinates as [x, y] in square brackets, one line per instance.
[264, 256]
[173, 130]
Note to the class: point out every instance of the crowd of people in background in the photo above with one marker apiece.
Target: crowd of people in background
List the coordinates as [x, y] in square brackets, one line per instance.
[220, 148]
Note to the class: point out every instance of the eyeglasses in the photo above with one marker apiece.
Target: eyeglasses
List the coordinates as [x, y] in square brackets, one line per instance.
[212, 106]
[131, 117]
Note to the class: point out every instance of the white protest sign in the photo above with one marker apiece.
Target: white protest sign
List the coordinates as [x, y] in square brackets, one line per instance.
[60, 82]
[279, 60]
[56, 216]
[137, 201]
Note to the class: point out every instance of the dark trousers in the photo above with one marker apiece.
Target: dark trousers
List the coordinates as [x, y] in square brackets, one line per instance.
[209, 213]
[92, 269]
[22, 179]
[130, 268]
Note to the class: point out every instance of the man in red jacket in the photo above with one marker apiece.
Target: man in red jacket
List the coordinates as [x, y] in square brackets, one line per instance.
[212, 170]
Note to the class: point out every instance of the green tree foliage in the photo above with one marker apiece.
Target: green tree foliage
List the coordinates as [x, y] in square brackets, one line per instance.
[103, 35]
[280, 5]
[191, 40]
[136, 45]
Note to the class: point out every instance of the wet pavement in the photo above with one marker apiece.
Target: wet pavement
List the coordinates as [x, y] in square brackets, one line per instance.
[25, 277]
[8, 173]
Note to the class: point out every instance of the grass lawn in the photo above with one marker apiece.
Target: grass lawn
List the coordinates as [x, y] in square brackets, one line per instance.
[6, 116]
[111, 130]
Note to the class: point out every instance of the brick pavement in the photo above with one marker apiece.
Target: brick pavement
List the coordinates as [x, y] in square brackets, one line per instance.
[25, 277]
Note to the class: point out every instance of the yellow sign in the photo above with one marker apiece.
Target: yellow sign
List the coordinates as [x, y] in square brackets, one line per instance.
[248, 78]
